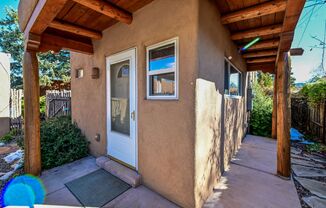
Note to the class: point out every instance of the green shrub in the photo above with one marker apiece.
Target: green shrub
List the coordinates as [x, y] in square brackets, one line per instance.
[8, 137]
[42, 105]
[261, 115]
[61, 142]
[315, 92]
[316, 147]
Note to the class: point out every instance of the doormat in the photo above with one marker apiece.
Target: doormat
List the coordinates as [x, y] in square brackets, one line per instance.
[97, 188]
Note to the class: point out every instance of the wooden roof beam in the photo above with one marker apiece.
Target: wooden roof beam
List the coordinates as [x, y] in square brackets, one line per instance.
[44, 13]
[260, 54]
[56, 43]
[266, 44]
[261, 60]
[107, 9]
[259, 10]
[258, 32]
[264, 67]
[67, 27]
[291, 18]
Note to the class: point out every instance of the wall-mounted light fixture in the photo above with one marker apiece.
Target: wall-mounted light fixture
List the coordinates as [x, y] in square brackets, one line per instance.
[95, 73]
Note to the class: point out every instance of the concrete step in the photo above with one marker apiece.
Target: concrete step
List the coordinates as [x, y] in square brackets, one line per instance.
[126, 174]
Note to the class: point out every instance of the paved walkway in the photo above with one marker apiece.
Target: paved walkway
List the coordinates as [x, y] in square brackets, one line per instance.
[58, 194]
[250, 181]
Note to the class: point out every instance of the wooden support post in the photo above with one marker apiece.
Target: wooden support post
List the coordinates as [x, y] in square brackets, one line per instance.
[283, 114]
[32, 142]
[274, 114]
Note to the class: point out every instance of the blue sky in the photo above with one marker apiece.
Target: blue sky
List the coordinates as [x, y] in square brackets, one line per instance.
[301, 66]
[4, 3]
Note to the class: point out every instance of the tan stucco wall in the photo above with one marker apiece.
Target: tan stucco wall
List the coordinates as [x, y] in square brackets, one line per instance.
[4, 92]
[219, 120]
[165, 128]
[184, 145]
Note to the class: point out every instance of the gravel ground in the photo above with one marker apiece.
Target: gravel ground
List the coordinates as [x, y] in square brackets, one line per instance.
[302, 192]
[5, 167]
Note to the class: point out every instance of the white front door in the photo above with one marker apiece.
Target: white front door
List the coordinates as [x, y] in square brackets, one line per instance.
[121, 106]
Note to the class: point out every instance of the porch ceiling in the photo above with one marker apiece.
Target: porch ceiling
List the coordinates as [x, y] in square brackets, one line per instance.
[274, 21]
[71, 24]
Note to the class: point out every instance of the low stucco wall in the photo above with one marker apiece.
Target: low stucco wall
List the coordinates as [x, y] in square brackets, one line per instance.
[165, 128]
[219, 120]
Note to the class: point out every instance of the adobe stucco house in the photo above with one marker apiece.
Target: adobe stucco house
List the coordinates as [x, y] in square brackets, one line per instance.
[161, 86]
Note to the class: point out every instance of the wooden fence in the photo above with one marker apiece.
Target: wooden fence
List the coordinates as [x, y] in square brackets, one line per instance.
[15, 108]
[58, 103]
[309, 119]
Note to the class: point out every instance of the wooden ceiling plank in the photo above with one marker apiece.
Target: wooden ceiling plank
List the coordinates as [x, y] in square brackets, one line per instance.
[260, 54]
[43, 14]
[56, 43]
[267, 44]
[107, 9]
[78, 30]
[261, 60]
[258, 32]
[254, 11]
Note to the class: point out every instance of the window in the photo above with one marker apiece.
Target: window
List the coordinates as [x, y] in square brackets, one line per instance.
[232, 79]
[162, 70]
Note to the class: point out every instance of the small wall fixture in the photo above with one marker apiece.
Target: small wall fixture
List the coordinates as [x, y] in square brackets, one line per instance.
[79, 73]
[95, 73]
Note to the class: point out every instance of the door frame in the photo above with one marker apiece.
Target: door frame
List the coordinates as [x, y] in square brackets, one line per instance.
[133, 54]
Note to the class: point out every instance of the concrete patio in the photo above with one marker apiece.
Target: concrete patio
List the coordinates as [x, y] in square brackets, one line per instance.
[58, 194]
[251, 180]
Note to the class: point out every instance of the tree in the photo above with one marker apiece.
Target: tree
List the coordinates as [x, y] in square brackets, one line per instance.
[52, 66]
[11, 41]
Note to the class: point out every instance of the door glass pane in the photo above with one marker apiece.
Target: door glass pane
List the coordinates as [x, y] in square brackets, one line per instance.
[120, 119]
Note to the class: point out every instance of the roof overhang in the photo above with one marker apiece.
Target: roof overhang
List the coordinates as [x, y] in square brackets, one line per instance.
[274, 22]
[71, 24]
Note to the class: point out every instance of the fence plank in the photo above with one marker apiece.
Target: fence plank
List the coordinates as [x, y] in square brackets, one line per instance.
[309, 119]
[58, 103]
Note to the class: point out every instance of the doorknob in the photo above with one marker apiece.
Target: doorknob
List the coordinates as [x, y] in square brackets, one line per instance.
[133, 115]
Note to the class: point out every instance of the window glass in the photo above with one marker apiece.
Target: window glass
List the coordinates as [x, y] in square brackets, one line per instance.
[162, 58]
[162, 84]
[232, 80]
[162, 70]
[234, 88]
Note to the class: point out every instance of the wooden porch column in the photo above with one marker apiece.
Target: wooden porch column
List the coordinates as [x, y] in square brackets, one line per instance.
[274, 115]
[283, 114]
[32, 142]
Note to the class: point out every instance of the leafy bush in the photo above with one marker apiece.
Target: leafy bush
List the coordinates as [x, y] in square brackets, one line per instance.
[42, 105]
[261, 115]
[61, 142]
[315, 92]
[316, 147]
[8, 137]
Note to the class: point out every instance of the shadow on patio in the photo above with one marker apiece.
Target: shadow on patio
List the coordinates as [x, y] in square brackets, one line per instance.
[251, 180]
